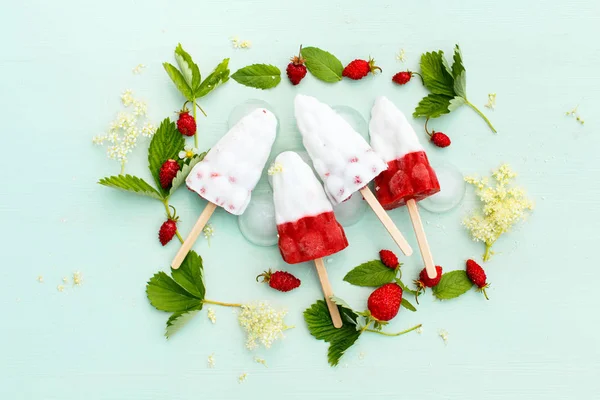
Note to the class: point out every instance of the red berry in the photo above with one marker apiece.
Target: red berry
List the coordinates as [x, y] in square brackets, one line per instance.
[167, 231]
[477, 275]
[358, 69]
[402, 78]
[425, 281]
[186, 124]
[440, 139]
[296, 70]
[280, 280]
[389, 259]
[167, 172]
[384, 303]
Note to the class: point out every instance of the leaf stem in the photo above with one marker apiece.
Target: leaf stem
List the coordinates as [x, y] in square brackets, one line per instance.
[219, 303]
[397, 333]
[179, 236]
[488, 252]
[122, 168]
[194, 115]
[166, 204]
[482, 115]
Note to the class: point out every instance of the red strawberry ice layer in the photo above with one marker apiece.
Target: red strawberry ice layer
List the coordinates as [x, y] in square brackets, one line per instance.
[410, 177]
[310, 238]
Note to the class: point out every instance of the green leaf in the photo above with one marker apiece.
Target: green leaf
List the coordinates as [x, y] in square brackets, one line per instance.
[457, 66]
[372, 273]
[259, 76]
[166, 295]
[189, 275]
[456, 102]
[189, 69]
[460, 85]
[184, 172]
[179, 81]
[219, 76]
[452, 285]
[132, 184]
[322, 64]
[436, 74]
[432, 106]
[406, 304]
[166, 143]
[177, 321]
[320, 326]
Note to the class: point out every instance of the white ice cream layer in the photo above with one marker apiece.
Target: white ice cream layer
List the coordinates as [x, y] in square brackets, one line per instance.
[296, 190]
[392, 136]
[232, 168]
[342, 158]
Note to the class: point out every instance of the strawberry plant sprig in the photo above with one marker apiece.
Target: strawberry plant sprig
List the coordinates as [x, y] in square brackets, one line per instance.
[319, 324]
[183, 294]
[448, 86]
[188, 80]
[164, 151]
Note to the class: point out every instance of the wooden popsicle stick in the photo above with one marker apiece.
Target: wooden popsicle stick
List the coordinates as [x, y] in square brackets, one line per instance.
[415, 217]
[386, 221]
[193, 235]
[336, 318]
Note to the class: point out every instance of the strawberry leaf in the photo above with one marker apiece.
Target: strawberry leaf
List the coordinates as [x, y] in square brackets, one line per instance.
[189, 69]
[132, 184]
[452, 285]
[179, 81]
[406, 304]
[259, 76]
[219, 76]
[184, 172]
[322, 64]
[321, 327]
[456, 102]
[372, 273]
[433, 106]
[457, 66]
[436, 75]
[177, 321]
[183, 292]
[166, 143]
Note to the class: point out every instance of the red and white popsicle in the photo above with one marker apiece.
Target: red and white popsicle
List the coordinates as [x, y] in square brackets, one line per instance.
[306, 224]
[231, 170]
[342, 158]
[409, 177]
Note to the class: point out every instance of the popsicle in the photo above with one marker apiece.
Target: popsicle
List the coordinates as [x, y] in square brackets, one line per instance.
[306, 224]
[342, 158]
[231, 170]
[409, 177]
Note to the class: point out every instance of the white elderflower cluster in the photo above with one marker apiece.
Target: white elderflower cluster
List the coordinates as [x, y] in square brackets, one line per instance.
[124, 131]
[262, 323]
[240, 44]
[212, 316]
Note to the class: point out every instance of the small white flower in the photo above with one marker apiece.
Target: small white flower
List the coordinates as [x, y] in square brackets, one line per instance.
[127, 98]
[211, 360]
[242, 378]
[138, 69]
[99, 139]
[60, 288]
[40, 279]
[65, 279]
[491, 104]
[401, 56]
[77, 278]
[240, 44]
[139, 108]
[262, 323]
[259, 360]
[275, 168]
[148, 130]
[212, 316]
[444, 335]
[188, 152]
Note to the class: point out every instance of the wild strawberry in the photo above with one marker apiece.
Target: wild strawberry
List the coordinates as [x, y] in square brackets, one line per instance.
[167, 231]
[477, 275]
[403, 77]
[439, 139]
[425, 281]
[389, 259]
[296, 70]
[167, 172]
[358, 69]
[186, 124]
[384, 302]
[279, 280]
